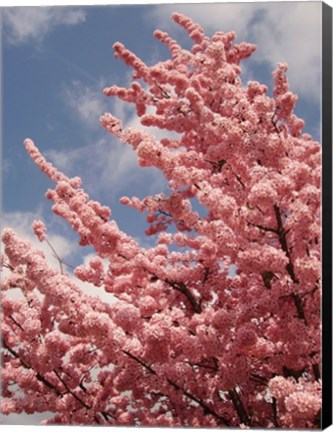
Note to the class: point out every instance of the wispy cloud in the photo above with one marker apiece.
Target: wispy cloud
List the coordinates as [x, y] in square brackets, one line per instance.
[27, 24]
[86, 102]
[292, 33]
[6, 166]
[106, 166]
[283, 32]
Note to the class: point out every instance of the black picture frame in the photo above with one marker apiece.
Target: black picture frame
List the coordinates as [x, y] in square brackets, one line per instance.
[327, 366]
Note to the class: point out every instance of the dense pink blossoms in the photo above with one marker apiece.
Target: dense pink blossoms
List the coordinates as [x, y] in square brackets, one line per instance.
[217, 325]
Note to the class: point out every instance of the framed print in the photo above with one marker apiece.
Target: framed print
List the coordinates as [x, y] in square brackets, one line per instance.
[167, 215]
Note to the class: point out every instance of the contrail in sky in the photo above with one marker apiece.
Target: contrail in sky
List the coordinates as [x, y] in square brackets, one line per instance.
[71, 64]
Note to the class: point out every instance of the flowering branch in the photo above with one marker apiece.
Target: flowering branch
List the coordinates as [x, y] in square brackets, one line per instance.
[27, 366]
[207, 410]
[181, 287]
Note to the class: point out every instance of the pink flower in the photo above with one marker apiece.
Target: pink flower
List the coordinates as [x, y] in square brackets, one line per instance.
[39, 229]
[127, 316]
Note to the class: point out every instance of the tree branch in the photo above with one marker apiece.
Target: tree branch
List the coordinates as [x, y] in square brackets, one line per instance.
[207, 410]
[275, 412]
[75, 396]
[52, 386]
[290, 266]
[60, 261]
[27, 366]
[239, 407]
[103, 413]
[263, 228]
[181, 287]
[16, 323]
[316, 371]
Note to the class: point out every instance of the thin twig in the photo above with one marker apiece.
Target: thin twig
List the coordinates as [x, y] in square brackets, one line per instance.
[55, 255]
[75, 396]
[16, 323]
[61, 262]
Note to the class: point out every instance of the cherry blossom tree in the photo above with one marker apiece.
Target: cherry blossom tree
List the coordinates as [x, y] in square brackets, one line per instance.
[218, 324]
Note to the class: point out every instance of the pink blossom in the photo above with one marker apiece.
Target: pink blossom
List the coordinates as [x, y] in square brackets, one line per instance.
[280, 387]
[39, 229]
[127, 317]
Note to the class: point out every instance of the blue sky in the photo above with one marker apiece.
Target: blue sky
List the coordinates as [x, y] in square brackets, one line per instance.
[56, 62]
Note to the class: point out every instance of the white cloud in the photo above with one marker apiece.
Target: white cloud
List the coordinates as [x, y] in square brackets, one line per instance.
[26, 24]
[212, 16]
[283, 32]
[87, 103]
[292, 34]
[105, 165]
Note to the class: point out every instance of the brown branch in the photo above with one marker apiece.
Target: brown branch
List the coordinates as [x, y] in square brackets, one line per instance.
[287, 372]
[316, 288]
[206, 275]
[75, 396]
[263, 228]
[258, 379]
[239, 407]
[275, 124]
[164, 93]
[55, 255]
[204, 366]
[181, 287]
[316, 371]
[27, 366]
[52, 386]
[7, 265]
[16, 323]
[283, 242]
[267, 277]
[299, 306]
[103, 413]
[142, 363]
[217, 166]
[239, 181]
[275, 412]
[207, 410]
[164, 213]
[290, 266]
